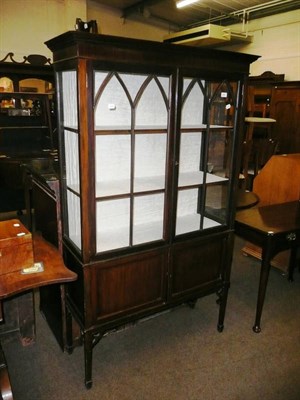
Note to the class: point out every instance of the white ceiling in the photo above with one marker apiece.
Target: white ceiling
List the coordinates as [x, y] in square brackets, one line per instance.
[223, 12]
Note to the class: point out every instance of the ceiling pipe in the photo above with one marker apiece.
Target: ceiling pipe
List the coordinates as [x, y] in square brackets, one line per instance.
[244, 14]
[141, 12]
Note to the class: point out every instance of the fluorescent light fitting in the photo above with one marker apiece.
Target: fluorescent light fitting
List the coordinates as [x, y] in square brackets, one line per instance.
[183, 3]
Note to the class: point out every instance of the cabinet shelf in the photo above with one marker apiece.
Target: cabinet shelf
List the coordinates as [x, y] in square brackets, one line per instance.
[196, 179]
[115, 130]
[153, 183]
[201, 128]
[191, 223]
[109, 130]
[4, 128]
[140, 185]
[112, 239]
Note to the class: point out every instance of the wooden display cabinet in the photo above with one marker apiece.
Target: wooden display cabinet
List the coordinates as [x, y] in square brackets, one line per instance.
[150, 135]
[285, 108]
[27, 123]
[270, 96]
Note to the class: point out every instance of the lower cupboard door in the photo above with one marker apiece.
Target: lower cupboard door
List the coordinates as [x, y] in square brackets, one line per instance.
[128, 285]
[197, 266]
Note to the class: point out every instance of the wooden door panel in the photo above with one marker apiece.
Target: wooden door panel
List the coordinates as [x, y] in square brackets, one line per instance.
[285, 108]
[128, 284]
[196, 264]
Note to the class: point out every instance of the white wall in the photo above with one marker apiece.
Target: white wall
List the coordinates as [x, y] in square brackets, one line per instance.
[110, 22]
[277, 40]
[26, 24]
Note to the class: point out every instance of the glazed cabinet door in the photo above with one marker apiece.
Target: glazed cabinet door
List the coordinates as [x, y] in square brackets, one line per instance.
[205, 155]
[128, 185]
[131, 125]
[206, 169]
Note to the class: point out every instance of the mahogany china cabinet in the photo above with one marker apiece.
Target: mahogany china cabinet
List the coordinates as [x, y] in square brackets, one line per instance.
[149, 143]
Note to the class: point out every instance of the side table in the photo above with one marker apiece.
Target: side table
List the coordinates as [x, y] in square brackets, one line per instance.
[274, 228]
[13, 283]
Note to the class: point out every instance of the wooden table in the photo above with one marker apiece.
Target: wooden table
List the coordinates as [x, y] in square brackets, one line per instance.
[246, 199]
[13, 283]
[274, 228]
[55, 271]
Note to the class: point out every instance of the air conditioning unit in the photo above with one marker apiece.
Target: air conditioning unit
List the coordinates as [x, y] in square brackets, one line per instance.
[208, 35]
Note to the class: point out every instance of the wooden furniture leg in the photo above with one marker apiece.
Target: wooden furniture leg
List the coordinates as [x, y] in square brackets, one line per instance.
[292, 263]
[274, 228]
[263, 281]
[88, 358]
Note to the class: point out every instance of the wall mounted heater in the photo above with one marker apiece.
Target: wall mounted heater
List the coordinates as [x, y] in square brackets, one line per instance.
[208, 35]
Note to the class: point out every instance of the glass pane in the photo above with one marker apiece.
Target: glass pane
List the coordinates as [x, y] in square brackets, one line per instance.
[150, 161]
[112, 109]
[188, 214]
[113, 224]
[220, 151]
[151, 109]
[74, 218]
[148, 218]
[72, 160]
[216, 202]
[223, 102]
[69, 99]
[193, 103]
[189, 158]
[133, 84]
[113, 164]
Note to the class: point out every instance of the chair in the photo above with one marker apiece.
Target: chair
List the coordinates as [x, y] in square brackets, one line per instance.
[263, 150]
[255, 154]
[245, 159]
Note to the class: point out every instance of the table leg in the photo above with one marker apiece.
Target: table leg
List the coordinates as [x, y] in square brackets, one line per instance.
[292, 262]
[267, 253]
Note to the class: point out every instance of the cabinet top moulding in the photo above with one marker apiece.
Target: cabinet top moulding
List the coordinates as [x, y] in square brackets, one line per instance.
[73, 44]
